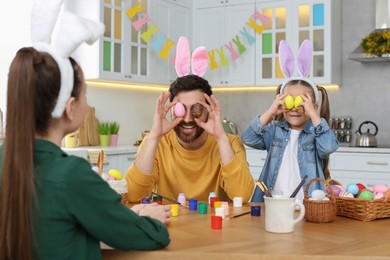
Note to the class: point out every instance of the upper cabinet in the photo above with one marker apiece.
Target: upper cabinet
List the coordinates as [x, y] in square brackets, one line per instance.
[174, 19]
[219, 25]
[130, 53]
[295, 21]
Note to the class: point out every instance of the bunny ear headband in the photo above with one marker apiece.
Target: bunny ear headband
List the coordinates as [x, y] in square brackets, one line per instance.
[182, 62]
[286, 58]
[72, 32]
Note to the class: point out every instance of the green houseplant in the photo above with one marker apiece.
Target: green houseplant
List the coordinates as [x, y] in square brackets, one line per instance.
[114, 129]
[377, 43]
[104, 132]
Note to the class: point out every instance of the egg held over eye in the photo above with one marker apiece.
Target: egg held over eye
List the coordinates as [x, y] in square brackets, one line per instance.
[179, 110]
[298, 100]
[197, 110]
[288, 102]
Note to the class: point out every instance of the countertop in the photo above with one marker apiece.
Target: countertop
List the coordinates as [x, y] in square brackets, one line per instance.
[109, 150]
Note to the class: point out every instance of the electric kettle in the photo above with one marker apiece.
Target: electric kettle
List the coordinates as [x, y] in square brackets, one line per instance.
[230, 127]
[366, 139]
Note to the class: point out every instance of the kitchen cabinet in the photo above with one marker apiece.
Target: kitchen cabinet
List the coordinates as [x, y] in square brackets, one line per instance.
[218, 23]
[174, 18]
[294, 21]
[256, 159]
[361, 165]
[122, 54]
[119, 158]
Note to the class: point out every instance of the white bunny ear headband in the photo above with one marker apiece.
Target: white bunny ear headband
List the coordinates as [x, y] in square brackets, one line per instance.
[287, 64]
[200, 60]
[72, 32]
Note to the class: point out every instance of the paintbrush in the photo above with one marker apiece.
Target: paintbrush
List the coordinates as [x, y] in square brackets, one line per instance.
[295, 192]
[100, 162]
[239, 215]
[264, 188]
[171, 200]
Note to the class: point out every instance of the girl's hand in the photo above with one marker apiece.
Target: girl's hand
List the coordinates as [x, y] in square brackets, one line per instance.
[213, 126]
[310, 109]
[277, 106]
[161, 125]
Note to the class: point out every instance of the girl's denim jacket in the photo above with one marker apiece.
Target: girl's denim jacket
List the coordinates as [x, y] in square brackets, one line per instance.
[315, 144]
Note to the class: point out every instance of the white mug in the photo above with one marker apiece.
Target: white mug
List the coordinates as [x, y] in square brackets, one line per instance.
[279, 214]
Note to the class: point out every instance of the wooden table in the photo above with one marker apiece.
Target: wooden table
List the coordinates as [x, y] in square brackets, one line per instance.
[245, 238]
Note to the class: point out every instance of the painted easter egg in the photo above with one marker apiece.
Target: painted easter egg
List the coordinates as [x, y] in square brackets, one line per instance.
[337, 189]
[353, 189]
[288, 102]
[361, 187]
[318, 194]
[179, 110]
[298, 100]
[380, 188]
[366, 195]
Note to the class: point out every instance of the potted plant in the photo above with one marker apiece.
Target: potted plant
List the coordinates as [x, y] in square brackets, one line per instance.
[114, 129]
[104, 132]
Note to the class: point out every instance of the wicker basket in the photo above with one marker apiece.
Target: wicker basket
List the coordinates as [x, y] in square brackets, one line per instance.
[319, 211]
[360, 209]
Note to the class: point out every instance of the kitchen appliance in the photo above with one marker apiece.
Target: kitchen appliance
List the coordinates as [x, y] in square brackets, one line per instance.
[382, 23]
[230, 127]
[366, 139]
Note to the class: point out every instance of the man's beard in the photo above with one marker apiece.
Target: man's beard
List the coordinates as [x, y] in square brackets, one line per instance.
[188, 138]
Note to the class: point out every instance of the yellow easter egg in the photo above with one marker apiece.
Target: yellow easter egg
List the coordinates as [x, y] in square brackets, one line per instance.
[115, 173]
[298, 100]
[288, 102]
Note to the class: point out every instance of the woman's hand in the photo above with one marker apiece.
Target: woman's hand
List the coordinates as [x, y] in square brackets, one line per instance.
[159, 212]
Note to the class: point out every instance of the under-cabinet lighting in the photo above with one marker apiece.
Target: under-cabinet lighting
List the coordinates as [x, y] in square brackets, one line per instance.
[155, 87]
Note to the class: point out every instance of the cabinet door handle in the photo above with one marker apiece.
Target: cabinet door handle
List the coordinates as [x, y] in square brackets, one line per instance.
[377, 163]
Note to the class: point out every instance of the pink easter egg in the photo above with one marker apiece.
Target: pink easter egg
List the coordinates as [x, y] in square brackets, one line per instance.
[378, 195]
[335, 188]
[111, 178]
[179, 110]
[380, 188]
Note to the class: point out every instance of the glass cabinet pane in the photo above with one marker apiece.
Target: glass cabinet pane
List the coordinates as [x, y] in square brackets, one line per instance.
[267, 12]
[143, 61]
[107, 21]
[118, 25]
[279, 36]
[117, 57]
[280, 18]
[106, 56]
[318, 65]
[134, 60]
[318, 40]
[267, 68]
[304, 15]
[303, 35]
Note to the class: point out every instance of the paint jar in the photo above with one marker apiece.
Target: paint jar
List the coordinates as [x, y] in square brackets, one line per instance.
[216, 222]
[237, 202]
[202, 207]
[175, 210]
[193, 204]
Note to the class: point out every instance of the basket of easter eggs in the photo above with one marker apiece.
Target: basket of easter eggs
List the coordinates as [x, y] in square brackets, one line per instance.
[320, 207]
[117, 183]
[359, 202]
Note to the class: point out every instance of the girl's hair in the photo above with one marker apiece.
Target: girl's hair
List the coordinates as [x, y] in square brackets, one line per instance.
[189, 83]
[324, 111]
[33, 88]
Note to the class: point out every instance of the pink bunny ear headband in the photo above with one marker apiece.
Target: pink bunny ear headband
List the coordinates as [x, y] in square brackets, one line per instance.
[182, 63]
[286, 58]
[72, 32]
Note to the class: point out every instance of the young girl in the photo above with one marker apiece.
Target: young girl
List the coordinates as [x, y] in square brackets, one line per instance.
[298, 141]
[53, 206]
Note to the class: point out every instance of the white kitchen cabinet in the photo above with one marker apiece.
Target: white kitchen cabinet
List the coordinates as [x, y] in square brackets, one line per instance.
[256, 159]
[121, 54]
[368, 168]
[174, 18]
[218, 24]
[294, 21]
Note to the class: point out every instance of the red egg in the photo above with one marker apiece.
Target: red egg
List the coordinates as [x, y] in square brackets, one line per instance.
[179, 110]
[361, 187]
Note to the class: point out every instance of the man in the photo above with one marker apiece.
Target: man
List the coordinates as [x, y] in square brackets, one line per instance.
[190, 154]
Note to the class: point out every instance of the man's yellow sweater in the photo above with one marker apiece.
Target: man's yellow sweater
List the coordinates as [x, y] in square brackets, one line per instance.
[195, 173]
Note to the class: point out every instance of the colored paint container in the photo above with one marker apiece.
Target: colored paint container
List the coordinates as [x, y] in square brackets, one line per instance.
[212, 201]
[193, 204]
[202, 207]
[255, 211]
[175, 210]
[216, 222]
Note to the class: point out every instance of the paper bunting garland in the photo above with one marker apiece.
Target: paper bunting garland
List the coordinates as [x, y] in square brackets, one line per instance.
[232, 49]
